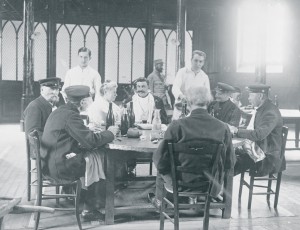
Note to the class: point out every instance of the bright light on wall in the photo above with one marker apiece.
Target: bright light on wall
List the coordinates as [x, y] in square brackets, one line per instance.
[261, 33]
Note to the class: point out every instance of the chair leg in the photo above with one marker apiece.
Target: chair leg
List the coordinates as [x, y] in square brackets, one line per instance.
[241, 187]
[162, 210]
[250, 191]
[150, 168]
[57, 192]
[206, 213]
[38, 202]
[28, 178]
[269, 188]
[277, 189]
[77, 198]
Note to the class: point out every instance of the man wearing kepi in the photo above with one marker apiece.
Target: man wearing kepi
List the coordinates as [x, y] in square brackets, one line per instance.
[68, 148]
[265, 130]
[157, 82]
[223, 108]
[38, 111]
[198, 125]
[187, 78]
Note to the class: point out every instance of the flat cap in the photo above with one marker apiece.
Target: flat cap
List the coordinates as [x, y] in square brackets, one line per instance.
[225, 87]
[158, 61]
[53, 82]
[259, 88]
[77, 92]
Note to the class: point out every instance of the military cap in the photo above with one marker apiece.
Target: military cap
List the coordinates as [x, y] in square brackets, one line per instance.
[158, 61]
[237, 89]
[223, 87]
[77, 92]
[53, 82]
[259, 88]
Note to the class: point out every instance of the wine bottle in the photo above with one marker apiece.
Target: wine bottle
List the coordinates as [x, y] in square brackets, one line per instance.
[124, 121]
[156, 122]
[110, 119]
[183, 111]
[131, 116]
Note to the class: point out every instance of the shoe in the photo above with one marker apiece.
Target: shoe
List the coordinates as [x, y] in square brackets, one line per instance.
[155, 202]
[92, 215]
[218, 199]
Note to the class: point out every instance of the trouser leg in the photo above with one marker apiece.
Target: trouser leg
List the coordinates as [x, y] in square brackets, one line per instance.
[243, 162]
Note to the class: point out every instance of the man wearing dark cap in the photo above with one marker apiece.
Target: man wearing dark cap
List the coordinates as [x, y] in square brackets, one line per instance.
[157, 82]
[68, 147]
[265, 129]
[38, 111]
[223, 108]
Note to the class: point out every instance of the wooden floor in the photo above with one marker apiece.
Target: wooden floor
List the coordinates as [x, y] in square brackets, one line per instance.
[13, 182]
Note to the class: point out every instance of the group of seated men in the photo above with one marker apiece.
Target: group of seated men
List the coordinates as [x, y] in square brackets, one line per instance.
[70, 149]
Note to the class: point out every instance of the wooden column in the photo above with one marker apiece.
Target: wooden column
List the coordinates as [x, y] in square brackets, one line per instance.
[28, 67]
[149, 42]
[51, 39]
[1, 9]
[181, 27]
[101, 51]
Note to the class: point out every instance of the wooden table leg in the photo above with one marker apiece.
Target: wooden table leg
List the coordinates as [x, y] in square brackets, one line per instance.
[110, 187]
[297, 129]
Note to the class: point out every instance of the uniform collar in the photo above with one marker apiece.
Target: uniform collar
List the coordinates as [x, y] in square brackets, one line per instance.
[197, 112]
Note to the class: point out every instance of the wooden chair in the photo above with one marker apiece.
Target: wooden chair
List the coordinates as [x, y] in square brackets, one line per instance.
[271, 177]
[44, 181]
[209, 154]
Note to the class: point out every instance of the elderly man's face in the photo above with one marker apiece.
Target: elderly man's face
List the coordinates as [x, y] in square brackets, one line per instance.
[84, 59]
[221, 96]
[159, 67]
[197, 62]
[110, 94]
[142, 89]
[50, 94]
[255, 99]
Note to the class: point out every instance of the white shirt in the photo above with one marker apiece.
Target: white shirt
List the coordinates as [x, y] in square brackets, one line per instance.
[143, 107]
[97, 111]
[87, 76]
[184, 80]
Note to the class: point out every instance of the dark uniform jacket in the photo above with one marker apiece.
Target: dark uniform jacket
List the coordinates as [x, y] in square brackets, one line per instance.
[198, 125]
[65, 133]
[267, 134]
[227, 112]
[36, 115]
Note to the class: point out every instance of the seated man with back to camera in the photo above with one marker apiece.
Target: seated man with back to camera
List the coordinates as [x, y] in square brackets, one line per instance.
[199, 125]
[223, 108]
[69, 149]
[265, 131]
[144, 103]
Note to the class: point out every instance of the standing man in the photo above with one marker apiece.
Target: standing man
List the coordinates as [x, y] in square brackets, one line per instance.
[83, 74]
[38, 111]
[187, 78]
[144, 103]
[265, 129]
[223, 108]
[157, 82]
[68, 148]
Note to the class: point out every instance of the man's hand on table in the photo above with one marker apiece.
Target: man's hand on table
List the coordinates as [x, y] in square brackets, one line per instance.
[233, 129]
[114, 129]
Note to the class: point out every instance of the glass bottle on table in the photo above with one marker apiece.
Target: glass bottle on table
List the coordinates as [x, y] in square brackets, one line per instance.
[124, 121]
[110, 119]
[156, 122]
[131, 116]
[183, 110]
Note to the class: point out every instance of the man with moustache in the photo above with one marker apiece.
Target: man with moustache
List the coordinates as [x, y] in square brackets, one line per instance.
[144, 103]
[38, 111]
[187, 78]
[223, 108]
[157, 82]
